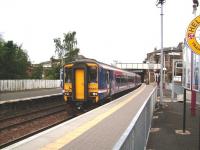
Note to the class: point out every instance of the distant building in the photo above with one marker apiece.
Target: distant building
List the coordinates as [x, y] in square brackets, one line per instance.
[170, 53]
[46, 64]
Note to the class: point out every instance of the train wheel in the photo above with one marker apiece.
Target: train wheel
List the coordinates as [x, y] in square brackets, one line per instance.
[71, 110]
[101, 102]
[110, 98]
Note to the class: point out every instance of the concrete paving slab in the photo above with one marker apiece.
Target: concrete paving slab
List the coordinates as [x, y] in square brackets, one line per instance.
[167, 126]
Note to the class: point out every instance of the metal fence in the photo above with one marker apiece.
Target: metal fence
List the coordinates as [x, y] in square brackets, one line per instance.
[136, 135]
[20, 85]
[137, 66]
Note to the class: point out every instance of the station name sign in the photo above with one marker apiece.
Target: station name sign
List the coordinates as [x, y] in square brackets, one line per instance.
[193, 35]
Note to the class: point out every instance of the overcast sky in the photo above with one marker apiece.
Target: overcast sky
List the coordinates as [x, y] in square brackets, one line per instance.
[107, 30]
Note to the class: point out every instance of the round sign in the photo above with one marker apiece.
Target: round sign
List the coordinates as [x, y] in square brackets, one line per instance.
[193, 35]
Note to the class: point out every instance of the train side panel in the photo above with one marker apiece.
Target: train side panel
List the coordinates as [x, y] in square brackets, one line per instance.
[105, 83]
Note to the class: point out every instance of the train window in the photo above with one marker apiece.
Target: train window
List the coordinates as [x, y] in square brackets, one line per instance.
[68, 76]
[130, 79]
[123, 79]
[118, 80]
[107, 77]
[92, 74]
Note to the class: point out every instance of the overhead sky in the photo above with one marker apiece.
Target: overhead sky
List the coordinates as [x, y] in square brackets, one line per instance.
[107, 30]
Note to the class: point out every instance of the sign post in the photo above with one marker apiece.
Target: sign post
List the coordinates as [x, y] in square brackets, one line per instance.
[193, 41]
[191, 64]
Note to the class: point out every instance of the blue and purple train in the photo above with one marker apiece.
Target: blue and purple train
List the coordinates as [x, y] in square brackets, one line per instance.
[90, 81]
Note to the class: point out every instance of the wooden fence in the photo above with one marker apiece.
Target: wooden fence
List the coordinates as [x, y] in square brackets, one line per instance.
[20, 85]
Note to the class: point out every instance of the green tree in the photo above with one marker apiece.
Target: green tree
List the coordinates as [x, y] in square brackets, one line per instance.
[53, 72]
[37, 72]
[67, 49]
[1, 41]
[13, 61]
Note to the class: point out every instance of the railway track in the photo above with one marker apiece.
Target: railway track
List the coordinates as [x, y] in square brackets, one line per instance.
[26, 134]
[17, 127]
[13, 121]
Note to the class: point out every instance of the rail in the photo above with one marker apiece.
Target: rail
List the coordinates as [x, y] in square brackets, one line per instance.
[136, 135]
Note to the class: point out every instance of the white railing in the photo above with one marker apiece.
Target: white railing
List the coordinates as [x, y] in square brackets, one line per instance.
[137, 66]
[20, 85]
[136, 135]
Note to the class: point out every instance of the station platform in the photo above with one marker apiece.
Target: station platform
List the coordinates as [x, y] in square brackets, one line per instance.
[167, 127]
[99, 129]
[14, 96]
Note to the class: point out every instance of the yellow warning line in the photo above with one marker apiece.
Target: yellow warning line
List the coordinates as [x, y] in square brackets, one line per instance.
[64, 140]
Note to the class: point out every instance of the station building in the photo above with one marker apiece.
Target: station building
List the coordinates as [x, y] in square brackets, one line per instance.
[170, 54]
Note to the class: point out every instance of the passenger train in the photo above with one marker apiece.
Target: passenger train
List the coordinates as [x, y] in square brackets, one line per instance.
[89, 81]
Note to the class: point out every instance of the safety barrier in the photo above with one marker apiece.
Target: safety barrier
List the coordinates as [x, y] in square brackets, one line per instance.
[20, 85]
[136, 135]
[137, 66]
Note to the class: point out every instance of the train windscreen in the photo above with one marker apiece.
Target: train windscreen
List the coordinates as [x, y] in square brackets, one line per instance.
[68, 75]
[92, 77]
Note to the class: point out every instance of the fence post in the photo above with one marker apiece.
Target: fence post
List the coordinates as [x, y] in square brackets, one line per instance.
[184, 110]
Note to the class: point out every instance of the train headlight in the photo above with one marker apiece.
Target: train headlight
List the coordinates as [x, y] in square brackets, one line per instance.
[93, 94]
[67, 93]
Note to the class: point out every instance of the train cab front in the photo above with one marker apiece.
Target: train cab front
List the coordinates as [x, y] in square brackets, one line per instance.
[81, 83]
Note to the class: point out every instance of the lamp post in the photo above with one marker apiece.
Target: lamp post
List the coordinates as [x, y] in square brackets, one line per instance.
[160, 3]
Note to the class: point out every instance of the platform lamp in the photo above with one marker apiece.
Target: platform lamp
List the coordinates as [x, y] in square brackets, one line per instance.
[159, 4]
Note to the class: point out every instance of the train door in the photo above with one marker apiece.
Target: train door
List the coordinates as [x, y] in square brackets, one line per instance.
[79, 84]
[108, 84]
